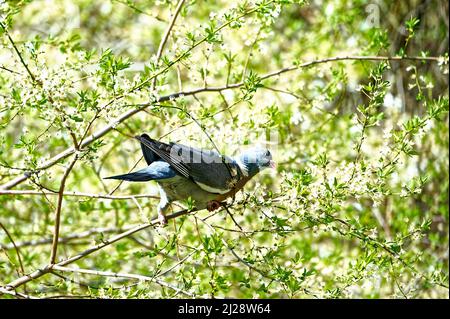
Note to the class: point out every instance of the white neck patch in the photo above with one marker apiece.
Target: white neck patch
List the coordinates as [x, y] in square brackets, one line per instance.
[242, 166]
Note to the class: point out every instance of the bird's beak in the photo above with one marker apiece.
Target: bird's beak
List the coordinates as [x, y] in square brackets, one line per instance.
[272, 164]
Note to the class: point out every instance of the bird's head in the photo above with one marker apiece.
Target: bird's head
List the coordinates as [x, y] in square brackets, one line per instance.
[255, 160]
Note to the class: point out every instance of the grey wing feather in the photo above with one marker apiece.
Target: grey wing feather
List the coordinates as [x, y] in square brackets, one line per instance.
[148, 154]
[208, 169]
[164, 151]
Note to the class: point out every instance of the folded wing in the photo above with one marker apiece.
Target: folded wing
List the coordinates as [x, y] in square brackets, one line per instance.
[211, 171]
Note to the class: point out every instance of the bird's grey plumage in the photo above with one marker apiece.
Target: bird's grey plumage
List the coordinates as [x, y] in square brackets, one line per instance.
[149, 155]
[158, 170]
[190, 162]
[203, 175]
[179, 188]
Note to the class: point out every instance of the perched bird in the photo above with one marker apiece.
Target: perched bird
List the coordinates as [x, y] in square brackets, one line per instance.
[205, 176]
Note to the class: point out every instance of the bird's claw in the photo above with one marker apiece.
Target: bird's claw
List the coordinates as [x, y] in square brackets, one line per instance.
[162, 220]
[213, 205]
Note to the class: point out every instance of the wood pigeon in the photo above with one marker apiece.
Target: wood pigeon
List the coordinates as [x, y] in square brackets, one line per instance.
[205, 176]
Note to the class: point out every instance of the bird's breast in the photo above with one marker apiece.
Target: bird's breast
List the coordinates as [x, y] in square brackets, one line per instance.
[237, 187]
[180, 188]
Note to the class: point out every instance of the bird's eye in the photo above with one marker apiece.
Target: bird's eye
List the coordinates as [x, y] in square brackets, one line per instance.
[267, 153]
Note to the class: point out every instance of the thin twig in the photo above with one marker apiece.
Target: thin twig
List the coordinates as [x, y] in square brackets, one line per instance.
[15, 294]
[239, 258]
[48, 268]
[177, 264]
[193, 46]
[166, 36]
[129, 171]
[9, 70]
[247, 60]
[75, 194]
[58, 209]
[281, 91]
[122, 275]
[15, 247]
[130, 5]
[18, 52]
[232, 218]
[68, 238]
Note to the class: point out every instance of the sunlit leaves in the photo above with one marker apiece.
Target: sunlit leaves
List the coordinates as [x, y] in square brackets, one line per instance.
[357, 206]
[251, 83]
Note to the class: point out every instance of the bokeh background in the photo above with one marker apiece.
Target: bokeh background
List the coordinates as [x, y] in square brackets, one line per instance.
[355, 209]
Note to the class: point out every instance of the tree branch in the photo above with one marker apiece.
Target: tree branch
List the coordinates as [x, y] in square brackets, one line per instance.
[196, 44]
[48, 268]
[68, 238]
[9, 70]
[18, 52]
[19, 258]
[166, 36]
[15, 294]
[75, 194]
[106, 129]
[130, 5]
[122, 275]
[58, 210]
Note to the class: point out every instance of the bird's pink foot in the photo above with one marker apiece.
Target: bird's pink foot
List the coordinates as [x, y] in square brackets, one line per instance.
[213, 205]
[162, 219]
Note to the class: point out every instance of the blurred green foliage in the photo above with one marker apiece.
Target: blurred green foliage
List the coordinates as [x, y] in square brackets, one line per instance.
[358, 206]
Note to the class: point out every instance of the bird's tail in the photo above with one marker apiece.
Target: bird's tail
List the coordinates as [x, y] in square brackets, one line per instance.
[157, 171]
[132, 177]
